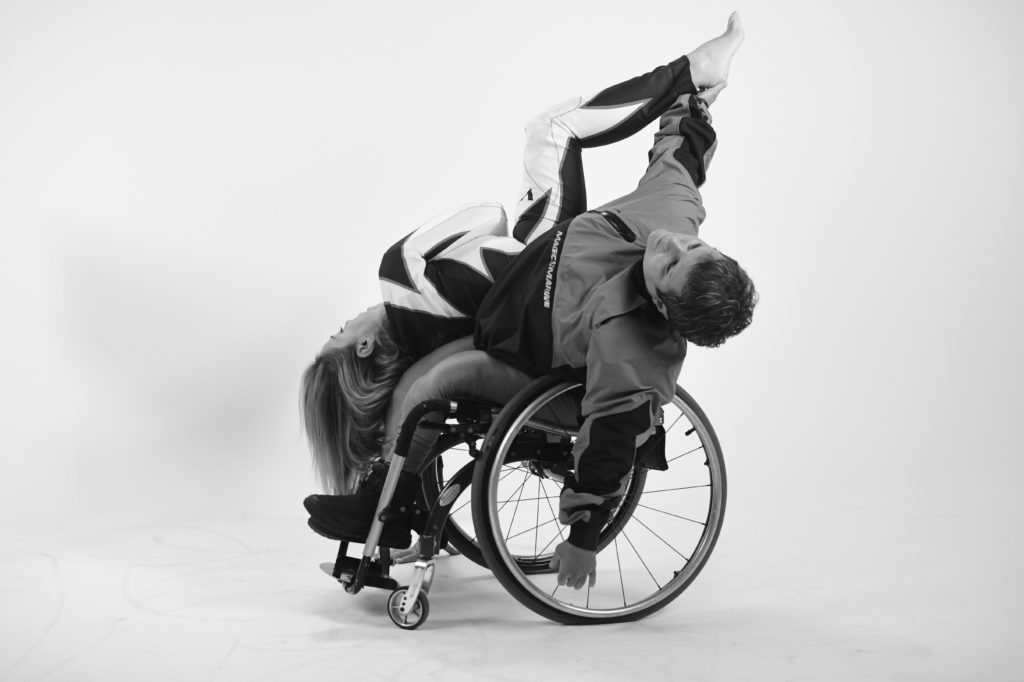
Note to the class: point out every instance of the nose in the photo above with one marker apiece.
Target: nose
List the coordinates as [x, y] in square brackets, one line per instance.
[672, 246]
[678, 244]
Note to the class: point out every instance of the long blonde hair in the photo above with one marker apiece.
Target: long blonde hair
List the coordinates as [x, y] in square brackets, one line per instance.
[344, 404]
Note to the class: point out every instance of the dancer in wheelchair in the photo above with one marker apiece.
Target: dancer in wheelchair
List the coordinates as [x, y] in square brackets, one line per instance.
[611, 296]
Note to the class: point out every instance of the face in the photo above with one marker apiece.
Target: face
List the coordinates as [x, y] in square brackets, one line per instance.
[361, 332]
[669, 259]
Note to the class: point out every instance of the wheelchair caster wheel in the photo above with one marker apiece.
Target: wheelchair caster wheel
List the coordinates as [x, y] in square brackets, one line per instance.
[415, 618]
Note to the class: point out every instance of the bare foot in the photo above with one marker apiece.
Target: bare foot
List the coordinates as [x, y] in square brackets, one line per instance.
[709, 63]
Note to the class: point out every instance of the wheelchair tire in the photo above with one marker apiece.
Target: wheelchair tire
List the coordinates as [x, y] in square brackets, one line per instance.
[637, 575]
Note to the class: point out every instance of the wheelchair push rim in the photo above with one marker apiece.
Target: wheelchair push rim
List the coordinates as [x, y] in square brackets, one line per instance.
[659, 538]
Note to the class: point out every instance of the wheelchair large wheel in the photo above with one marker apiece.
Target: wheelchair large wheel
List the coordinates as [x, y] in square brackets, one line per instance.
[658, 540]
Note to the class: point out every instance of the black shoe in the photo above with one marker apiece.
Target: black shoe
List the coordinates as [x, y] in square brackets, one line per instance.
[348, 517]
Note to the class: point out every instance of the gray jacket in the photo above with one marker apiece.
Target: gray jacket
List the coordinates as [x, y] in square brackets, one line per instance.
[574, 301]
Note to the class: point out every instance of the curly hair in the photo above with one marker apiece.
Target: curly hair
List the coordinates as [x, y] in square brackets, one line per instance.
[344, 405]
[716, 302]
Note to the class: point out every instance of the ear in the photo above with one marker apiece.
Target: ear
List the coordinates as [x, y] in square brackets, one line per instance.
[660, 305]
[364, 348]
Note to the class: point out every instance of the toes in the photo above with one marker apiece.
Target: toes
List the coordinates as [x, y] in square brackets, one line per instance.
[735, 24]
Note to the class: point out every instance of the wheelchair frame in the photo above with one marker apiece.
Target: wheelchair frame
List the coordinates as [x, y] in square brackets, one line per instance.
[408, 606]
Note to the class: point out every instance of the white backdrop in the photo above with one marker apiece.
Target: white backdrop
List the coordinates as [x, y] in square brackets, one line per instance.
[194, 195]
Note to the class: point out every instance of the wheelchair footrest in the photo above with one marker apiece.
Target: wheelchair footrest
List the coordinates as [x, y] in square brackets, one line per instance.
[344, 570]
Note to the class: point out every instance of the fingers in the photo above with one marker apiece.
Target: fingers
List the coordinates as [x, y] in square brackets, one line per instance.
[572, 573]
[577, 582]
[563, 571]
[565, 575]
[581, 582]
[709, 95]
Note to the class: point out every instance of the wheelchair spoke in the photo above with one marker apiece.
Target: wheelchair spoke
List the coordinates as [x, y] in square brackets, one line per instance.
[554, 516]
[641, 559]
[688, 452]
[668, 430]
[662, 511]
[536, 519]
[511, 470]
[622, 584]
[557, 536]
[541, 490]
[518, 490]
[531, 499]
[537, 527]
[685, 487]
[461, 507]
[515, 510]
[667, 544]
[673, 425]
[542, 497]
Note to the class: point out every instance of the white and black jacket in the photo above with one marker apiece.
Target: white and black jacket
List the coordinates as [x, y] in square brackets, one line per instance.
[435, 278]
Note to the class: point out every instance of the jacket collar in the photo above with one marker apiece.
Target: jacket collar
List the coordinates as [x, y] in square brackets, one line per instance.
[636, 276]
[624, 293]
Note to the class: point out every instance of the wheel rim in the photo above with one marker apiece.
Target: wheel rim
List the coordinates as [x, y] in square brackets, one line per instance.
[414, 617]
[663, 540]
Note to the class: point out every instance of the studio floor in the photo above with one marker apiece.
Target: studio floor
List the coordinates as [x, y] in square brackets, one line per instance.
[244, 599]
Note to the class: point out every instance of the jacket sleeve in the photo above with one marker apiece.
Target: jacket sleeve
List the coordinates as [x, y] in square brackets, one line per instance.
[627, 383]
[668, 196]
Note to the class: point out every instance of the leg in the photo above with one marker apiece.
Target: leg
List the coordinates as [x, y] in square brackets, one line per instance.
[667, 196]
[397, 409]
[553, 188]
[472, 375]
[467, 374]
[710, 63]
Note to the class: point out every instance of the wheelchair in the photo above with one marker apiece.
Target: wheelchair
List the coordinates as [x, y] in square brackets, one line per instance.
[500, 507]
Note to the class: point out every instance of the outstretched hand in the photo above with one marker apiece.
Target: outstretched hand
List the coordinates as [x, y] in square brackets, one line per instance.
[709, 95]
[574, 565]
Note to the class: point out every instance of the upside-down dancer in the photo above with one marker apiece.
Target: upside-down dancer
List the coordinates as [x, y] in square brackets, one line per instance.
[609, 296]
